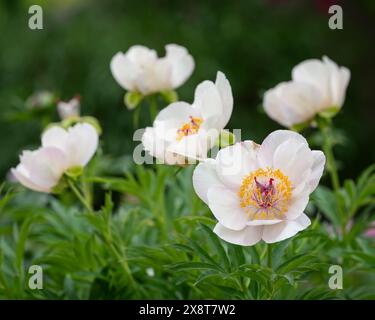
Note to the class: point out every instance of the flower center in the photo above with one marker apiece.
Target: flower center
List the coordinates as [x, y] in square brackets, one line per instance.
[265, 194]
[189, 128]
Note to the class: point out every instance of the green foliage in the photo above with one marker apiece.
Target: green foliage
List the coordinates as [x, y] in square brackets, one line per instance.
[141, 231]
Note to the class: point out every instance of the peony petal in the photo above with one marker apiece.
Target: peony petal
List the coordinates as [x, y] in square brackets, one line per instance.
[21, 174]
[181, 63]
[81, 144]
[284, 230]
[156, 147]
[319, 161]
[225, 206]
[233, 163]
[225, 91]
[291, 103]
[124, 71]
[294, 159]
[272, 142]
[248, 236]
[141, 55]
[297, 205]
[193, 147]
[339, 80]
[263, 222]
[179, 112]
[204, 177]
[330, 79]
[55, 137]
[42, 169]
[314, 72]
[208, 100]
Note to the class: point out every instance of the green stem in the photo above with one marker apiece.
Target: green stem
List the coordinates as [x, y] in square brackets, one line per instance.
[158, 206]
[78, 194]
[269, 255]
[153, 107]
[324, 127]
[107, 235]
[121, 259]
[327, 148]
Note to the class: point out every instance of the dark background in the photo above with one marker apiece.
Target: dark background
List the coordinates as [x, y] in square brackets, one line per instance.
[255, 43]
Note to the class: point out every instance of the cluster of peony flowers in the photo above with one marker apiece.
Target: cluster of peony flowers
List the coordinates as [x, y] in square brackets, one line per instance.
[256, 192]
[62, 150]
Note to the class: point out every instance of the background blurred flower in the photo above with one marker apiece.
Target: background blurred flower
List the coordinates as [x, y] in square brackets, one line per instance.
[182, 131]
[69, 109]
[40, 100]
[317, 87]
[371, 231]
[140, 69]
[42, 169]
[260, 191]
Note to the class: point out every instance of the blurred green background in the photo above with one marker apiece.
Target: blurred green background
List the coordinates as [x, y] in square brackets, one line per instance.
[255, 43]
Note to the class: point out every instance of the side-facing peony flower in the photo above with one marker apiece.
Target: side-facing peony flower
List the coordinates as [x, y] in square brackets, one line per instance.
[260, 191]
[317, 87]
[69, 109]
[140, 69]
[61, 150]
[182, 131]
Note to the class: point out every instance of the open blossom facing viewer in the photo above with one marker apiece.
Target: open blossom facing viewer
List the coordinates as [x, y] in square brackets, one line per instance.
[260, 191]
[141, 70]
[185, 131]
[316, 86]
[42, 169]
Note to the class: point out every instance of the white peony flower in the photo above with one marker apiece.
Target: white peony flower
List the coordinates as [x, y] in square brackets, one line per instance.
[316, 86]
[140, 69]
[42, 169]
[260, 191]
[69, 109]
[185, 131]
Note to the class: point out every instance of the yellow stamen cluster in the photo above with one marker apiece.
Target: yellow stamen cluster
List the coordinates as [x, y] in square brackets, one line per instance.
[265, 194]
[189, 128]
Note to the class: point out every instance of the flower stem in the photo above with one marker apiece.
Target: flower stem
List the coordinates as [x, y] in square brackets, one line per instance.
[327, 148]
[324, 127]
[107, 235]
[269, 255]
[78, 194]
[153, 107]
[121, 258]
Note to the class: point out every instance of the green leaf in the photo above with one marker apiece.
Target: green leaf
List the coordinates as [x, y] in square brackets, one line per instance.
[237, 253]
[325, 200]
[20, 246]
[217, 245]
[132, 99]
[183, 266]
[295, 263]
